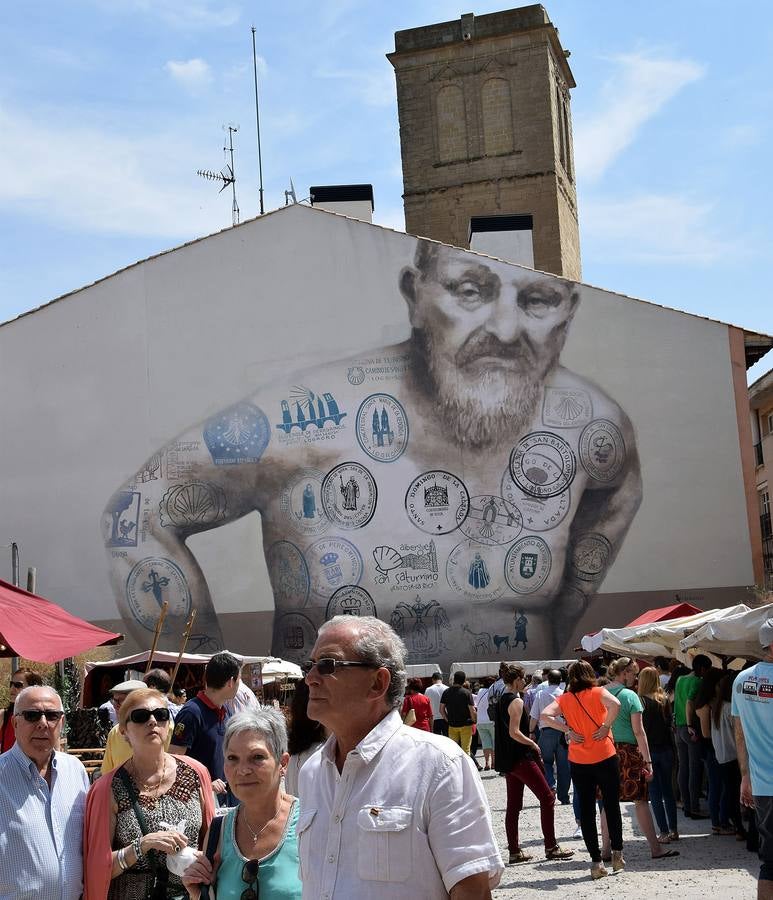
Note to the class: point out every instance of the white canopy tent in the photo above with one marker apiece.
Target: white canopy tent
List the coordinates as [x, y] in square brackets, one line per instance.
[613, 640]
[668, 634]
[481, 669]
[734, 635]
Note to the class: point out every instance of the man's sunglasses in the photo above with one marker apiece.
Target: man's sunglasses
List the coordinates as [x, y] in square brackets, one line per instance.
[19, 685]
[141, 716]
[35, 715]
[250, 878]
[328, 666]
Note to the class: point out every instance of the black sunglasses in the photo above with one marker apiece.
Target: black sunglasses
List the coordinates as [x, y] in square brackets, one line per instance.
[35, 715]
[328, 666]
[250, 877]
[18, 684]
[141, 716]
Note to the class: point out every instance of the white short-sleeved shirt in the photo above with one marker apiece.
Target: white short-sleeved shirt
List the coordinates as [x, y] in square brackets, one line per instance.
[434, 692]
[407, 818]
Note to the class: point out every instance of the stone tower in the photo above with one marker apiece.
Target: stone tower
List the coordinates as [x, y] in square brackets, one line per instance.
[486, 133]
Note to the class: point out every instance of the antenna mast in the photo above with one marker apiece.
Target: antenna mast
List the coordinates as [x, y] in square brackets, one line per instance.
[227, 174]
[257, 118]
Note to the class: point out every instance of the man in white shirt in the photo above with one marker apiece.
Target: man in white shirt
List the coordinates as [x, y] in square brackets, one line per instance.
[551, 741]
[386, 811]
[434, 692]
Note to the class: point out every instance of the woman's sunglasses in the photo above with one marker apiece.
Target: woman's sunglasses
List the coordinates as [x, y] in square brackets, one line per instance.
[250, 878]
[141, 716]
[35, 715]
[19, 685]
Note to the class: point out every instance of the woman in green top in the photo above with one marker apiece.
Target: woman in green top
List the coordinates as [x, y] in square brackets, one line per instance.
[257, 849]
[633, 751]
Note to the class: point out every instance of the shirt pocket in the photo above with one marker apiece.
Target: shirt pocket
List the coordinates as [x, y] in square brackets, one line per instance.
[384, 843]
[303, 837]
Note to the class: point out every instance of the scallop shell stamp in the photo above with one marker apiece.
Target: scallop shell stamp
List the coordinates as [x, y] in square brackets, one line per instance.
[195, 503]
[566, 408]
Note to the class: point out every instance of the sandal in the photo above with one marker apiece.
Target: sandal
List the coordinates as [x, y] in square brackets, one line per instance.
[597, 870]
[673, 835]
[664, 838]
[618, 863]
[518, 856]
[669, 854]
[558, 853]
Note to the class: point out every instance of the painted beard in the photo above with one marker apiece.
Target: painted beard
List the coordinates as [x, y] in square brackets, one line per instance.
[483, 405]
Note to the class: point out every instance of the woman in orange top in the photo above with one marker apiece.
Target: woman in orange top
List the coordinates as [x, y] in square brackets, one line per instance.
[585, 713]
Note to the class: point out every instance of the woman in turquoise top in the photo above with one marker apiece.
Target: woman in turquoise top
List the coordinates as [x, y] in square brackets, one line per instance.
[257, 850]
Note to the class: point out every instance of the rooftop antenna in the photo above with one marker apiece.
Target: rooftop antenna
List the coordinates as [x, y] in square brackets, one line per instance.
[290, 195]
[227, 174]
[257, 119]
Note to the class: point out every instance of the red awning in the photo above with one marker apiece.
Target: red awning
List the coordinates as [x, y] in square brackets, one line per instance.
[664, 613]
[36, 629]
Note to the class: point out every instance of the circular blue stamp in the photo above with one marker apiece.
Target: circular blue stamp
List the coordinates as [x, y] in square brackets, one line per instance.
[333, 562]
[152, 581]
[238, 435]
[475, 570]
[350, 600]
[542, 464]
[349, 495]
[527, 564]
[301, 502]
[289, 575]
[382, 427]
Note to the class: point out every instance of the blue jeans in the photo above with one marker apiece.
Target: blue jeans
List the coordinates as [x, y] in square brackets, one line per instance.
[690, 770]
[661, 791]
[555, 752]
[717, 796]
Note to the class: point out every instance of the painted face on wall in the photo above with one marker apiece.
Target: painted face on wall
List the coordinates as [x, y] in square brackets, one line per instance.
[485, 336]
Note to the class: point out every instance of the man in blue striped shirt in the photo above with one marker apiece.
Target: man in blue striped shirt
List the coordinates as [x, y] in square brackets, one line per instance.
[42, 801]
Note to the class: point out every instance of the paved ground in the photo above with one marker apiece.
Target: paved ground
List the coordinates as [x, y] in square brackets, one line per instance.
[708, 865]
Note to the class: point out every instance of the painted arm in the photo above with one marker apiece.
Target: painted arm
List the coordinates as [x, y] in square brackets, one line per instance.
[205, 478]
[603, 518]
[747, 798]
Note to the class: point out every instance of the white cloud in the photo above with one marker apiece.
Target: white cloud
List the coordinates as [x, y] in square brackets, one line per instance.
[100, 182]
[193, 74]
[659, 228]
[639, 89]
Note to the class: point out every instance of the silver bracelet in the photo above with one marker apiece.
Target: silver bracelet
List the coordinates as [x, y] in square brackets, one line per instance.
[137, 844]
[121, 859]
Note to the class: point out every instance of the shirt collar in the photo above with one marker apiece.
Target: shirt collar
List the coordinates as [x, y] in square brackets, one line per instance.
[373, 741]
[28, 766]
[220, 710]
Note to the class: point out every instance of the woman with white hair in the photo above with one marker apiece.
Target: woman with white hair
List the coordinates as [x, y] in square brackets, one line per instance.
[255, 841]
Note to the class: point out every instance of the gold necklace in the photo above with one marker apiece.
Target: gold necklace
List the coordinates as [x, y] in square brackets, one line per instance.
[257, 834]
[144, 786]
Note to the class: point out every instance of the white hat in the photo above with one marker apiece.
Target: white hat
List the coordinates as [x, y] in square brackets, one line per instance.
[126, 686]
[766, 633]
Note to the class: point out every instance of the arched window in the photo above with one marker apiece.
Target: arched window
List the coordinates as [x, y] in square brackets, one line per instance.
[451, 124]
[497, 115]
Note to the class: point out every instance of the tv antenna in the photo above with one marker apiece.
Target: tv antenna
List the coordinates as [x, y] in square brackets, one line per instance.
[290, 195]
[227, 174]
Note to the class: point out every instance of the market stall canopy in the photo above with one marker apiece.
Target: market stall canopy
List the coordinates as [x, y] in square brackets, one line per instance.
[478, 669]
[37, 629]
[734, 635]
[668, 634]
[613, 639]
[190, 659]
[675, 611]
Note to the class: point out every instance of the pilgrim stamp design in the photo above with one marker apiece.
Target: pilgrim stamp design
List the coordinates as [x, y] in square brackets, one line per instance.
[382, 427]
[492, 520]
[602, 450]
[152, 581]
[475, 570]
[566, 408]
[437, 502]
[301, 502]
[527, 564]
[350, 600]
[349, 495]
[333, 562]
[195, 503]
[238, 435]
[538, 513]
[289, 575]
[122, 518]
[295, 636]
[542, 464]
[590, 556]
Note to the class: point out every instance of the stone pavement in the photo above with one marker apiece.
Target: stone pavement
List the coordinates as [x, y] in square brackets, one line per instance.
[708, 865]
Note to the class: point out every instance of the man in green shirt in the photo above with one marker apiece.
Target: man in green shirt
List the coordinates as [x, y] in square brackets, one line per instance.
[688, 742]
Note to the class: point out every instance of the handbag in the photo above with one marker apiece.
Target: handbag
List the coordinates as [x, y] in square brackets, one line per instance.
[160, 872]
[410, 717]
[215, 828]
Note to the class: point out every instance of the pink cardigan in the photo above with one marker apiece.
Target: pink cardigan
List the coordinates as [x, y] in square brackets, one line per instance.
[97, 853]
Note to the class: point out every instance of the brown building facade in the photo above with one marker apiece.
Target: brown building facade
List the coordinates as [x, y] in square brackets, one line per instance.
[761, 406]
[485, 130]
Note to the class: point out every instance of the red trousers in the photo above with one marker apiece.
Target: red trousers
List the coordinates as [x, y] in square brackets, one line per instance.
[527, 773]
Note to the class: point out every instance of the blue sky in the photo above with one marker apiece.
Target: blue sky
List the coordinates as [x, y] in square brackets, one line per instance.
[108, 107]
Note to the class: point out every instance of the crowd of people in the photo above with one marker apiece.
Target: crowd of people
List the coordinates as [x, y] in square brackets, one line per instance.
[374, 791]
